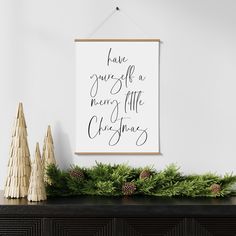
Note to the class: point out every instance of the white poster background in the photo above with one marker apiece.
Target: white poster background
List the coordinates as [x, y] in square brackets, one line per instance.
[91, 61]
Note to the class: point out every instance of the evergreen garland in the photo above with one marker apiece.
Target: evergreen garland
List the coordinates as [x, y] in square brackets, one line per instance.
[111, 180]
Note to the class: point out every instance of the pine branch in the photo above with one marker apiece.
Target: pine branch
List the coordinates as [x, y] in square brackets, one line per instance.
[107, 180]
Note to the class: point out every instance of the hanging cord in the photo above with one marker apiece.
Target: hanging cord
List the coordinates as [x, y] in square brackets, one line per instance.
[103, 22]
[117, 9]
[134, 23]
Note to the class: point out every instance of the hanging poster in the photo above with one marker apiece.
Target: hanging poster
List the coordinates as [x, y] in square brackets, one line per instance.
[117, 96]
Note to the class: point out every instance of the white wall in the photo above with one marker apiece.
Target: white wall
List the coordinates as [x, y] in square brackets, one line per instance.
[198, 74]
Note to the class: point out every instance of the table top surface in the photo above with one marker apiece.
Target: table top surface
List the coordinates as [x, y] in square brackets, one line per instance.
[136, 206]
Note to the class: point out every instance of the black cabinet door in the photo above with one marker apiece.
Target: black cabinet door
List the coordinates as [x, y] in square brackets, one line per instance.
[79, 227]
[151, 227]
[213, 226]
[20, 227]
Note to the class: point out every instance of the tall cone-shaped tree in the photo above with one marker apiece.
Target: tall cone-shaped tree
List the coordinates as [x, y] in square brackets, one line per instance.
[48, 156]
[36, 187]
[19, 165]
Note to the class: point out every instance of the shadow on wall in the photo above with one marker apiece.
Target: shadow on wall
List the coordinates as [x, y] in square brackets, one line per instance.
[63, 150]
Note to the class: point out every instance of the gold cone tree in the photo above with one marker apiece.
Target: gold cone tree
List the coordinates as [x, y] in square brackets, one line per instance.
[19, 165]
[48, 156]
[37, 190]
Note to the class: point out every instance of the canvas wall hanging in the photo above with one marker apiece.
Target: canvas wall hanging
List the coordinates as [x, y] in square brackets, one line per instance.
[117, 96]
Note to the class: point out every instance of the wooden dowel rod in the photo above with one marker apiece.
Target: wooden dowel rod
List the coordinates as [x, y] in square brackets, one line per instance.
[117, 40]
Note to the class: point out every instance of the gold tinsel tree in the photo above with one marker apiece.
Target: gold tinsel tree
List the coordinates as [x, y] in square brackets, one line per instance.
[37, 190]
[48, 156]
[19, 165]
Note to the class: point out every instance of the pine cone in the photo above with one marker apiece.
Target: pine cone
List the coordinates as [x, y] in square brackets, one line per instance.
[78, 174]
[128, 188]
[215, 188]
[144, 174]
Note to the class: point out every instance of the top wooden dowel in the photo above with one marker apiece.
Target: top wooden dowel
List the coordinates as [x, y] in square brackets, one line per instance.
[117, 40]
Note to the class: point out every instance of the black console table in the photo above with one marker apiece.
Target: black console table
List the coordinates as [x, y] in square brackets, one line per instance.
[146, 216]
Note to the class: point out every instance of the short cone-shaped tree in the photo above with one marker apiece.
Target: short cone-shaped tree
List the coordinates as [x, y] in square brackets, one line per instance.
[37, 190]
[48, 156]
[19, 165]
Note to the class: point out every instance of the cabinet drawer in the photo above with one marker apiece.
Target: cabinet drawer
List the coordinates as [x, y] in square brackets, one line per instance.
[151, 226]
[213, 226]
[20, 226]
[79, 227]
